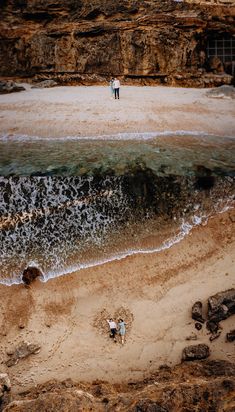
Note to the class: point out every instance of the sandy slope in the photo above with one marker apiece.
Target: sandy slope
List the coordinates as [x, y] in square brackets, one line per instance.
[156, 292]
[84, 111]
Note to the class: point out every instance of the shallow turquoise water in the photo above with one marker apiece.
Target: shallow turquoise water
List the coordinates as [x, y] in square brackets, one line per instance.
[22, 155]
[71, 203]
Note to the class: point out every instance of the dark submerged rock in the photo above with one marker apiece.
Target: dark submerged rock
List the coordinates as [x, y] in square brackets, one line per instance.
[30, 274]
[196, 352]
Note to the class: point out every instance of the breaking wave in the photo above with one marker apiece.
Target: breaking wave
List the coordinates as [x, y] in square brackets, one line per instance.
[75, 203]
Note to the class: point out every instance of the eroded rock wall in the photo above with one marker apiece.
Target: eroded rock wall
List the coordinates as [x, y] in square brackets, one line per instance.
[140, 41]
[207, 386]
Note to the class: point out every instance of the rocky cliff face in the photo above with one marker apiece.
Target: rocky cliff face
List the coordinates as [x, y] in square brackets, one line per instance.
[141, 41]
[208, 386]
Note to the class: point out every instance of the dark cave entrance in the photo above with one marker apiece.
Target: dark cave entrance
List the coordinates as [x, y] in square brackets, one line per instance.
[221, 46]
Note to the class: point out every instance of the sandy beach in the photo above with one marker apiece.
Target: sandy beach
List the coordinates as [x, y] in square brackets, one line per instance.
[89, 111]
[153, 292]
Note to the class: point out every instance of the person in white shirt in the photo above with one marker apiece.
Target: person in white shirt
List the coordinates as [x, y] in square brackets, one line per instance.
[116, 86]
[113, 328]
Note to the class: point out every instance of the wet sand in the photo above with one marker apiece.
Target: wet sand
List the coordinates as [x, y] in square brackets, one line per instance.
[154, 292]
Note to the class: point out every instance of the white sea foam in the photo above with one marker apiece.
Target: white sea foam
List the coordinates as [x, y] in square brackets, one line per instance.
[119, 136]
[185, 229]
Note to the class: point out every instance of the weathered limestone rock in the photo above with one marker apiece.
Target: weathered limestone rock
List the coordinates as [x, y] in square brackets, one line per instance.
[195, 352]
[5, 388]
[149, 406]
[22, 351]
[221, 306]
[197, 312]
[30, 274]
[202, 386]
[147, 42]
[222, 92]
[5, 384]
[216, 64]
[44, 84]
[59, 402]
[10, 87]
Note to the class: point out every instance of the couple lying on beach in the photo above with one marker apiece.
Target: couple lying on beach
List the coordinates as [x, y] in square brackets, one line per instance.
[117, 328]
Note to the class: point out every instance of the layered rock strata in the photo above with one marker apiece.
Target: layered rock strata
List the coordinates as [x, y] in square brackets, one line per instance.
[208, 386]
[147, 42]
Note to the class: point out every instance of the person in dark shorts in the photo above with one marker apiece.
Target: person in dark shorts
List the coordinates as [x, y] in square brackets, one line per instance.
[113, 328]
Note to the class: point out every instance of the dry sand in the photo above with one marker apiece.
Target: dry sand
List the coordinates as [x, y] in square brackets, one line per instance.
[84, 111]
[154, 292]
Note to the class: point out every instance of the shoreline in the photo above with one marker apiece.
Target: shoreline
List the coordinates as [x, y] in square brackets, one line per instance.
[178, 235]
[63, 316]
[154, 292]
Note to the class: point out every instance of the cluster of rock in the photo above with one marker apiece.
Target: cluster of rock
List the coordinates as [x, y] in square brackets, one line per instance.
[206, 386]
[8, 86]
[220, 307]
[147, 42]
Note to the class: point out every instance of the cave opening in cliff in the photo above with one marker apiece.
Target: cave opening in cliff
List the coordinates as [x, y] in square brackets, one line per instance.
[221, 52]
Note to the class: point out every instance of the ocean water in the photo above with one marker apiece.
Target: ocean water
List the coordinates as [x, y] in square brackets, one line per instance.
[71, 203]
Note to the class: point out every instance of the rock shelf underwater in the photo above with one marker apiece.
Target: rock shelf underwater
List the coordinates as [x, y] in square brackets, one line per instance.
[75, 203]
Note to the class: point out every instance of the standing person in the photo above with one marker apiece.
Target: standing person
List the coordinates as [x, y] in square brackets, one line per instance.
[113, 329]
[116, 85]
[122, 329]
[111, 86]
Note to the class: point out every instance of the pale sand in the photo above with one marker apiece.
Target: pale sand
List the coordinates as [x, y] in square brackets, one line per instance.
[84, 111]
[157, 289]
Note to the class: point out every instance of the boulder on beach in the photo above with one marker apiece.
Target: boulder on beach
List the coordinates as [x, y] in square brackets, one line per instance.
[30, 274]
[22, 351]
[5, 388]
[197, 312]
[196, 352]
[230, 336]
[221, 306]
[9, 86]
[222, 92]
[5, 384]
[45, 84]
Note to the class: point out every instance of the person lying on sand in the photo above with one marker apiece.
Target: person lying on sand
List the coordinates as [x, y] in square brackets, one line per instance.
[122, 330]
[113, 329]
